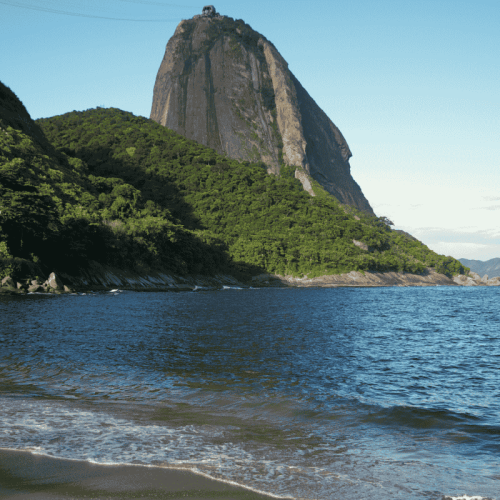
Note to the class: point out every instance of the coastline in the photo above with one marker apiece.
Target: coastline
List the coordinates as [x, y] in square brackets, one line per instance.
[24, 475]
[103, 277]
[97, 277]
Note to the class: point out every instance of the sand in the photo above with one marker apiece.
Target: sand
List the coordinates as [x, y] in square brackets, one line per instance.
[35, 477]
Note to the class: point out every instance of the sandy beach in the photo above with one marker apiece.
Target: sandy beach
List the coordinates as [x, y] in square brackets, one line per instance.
[34, 477]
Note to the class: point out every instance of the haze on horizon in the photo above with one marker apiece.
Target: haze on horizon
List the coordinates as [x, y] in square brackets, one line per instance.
[412, 87]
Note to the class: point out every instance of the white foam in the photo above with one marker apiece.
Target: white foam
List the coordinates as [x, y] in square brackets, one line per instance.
[64, 430]
[466, 497]
[70, 430]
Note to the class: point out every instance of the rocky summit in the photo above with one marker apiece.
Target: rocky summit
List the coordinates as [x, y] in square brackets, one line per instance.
[226, 86]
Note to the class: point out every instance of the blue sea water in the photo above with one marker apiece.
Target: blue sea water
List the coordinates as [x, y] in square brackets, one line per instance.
[318, 393]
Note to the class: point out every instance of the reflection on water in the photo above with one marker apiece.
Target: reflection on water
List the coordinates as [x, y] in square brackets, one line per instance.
[380, 393]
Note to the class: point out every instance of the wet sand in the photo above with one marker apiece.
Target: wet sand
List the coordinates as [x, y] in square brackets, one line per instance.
[34, 477]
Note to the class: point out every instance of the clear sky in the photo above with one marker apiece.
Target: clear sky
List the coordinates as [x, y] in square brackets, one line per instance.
[414, 86]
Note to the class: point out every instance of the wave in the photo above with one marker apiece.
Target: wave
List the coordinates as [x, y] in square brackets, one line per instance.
[69, 431]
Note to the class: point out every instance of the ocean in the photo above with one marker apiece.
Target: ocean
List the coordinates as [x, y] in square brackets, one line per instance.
[314, 393]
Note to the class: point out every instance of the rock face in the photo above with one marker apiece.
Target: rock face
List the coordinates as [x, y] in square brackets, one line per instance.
[226, 86]
[367, 279]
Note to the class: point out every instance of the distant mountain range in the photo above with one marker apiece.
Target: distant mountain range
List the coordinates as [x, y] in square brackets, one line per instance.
[490, 267]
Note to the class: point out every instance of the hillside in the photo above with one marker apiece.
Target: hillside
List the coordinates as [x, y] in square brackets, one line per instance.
[109, 187]
[56, 215]
[261, 220]
[490, 267]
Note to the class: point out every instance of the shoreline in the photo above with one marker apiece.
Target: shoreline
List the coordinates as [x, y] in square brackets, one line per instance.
[100, 278]
[107, 277]
[29, 476]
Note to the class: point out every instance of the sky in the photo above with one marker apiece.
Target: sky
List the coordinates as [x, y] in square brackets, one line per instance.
[414, 86]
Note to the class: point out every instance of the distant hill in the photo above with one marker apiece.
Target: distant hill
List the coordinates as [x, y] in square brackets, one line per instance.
[490, 267]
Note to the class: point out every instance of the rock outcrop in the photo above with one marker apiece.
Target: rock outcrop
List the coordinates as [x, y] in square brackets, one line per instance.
[359, 279]
[9, 282]
[473, 279]
[52, 285]
[54, 282]
[226, 86]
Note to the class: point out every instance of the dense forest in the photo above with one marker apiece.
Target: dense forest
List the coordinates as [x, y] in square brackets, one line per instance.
[125, 191]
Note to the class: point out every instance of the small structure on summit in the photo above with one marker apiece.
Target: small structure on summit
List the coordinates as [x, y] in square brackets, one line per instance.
[209, 11]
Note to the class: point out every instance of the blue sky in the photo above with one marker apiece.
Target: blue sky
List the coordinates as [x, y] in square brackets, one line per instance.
[414, 86]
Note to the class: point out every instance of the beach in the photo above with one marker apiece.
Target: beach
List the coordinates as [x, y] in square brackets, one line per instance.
[27, 476]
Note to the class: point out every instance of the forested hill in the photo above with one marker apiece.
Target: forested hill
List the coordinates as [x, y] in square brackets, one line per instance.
[125, 191]
[263, 220]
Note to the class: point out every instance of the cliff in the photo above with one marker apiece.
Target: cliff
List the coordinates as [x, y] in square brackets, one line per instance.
[226, 86]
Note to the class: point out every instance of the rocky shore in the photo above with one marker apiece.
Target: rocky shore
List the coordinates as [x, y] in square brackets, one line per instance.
[473, 279]
[98, 278]
[53, 284]
[372, 279]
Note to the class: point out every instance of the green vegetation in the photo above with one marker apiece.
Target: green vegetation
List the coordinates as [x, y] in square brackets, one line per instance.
[54, 213]
[125, 191]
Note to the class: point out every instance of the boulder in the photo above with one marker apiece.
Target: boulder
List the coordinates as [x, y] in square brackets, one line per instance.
[35, 283]
[464, 280]
[36, 288]
[8, 282]
[361, 245]
[54, 282]
[475, 276]
[67, 289]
